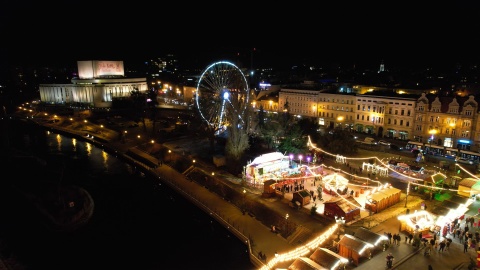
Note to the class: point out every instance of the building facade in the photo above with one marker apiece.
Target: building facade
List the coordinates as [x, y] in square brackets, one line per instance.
[98, 83]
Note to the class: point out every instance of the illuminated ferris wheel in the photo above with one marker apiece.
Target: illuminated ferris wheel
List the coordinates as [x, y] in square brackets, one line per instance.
[222, 93]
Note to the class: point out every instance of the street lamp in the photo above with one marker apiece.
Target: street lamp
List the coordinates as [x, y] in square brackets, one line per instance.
[243, 204]
[286, 224]
[308, 160]
[291, 157]
[340, 120]
[169, 155]
[432, 132]
[300, 158]
[408, 191]
[452, 125]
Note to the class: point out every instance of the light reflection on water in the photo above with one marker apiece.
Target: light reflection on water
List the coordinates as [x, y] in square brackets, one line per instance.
[132, 219]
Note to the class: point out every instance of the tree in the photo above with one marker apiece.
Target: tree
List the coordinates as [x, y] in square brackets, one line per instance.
[293, 141]
[139, 100]
[338, 141]
[261, 117]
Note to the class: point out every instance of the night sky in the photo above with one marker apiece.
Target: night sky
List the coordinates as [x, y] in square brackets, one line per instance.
[202, 33]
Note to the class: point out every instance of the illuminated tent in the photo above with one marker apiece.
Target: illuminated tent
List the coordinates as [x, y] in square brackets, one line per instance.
[334, 182]
[422, 220]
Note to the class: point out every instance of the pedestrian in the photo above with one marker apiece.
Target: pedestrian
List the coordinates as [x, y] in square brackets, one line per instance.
[465, 246]
[410, 237]
[442, 246]
[430, 267]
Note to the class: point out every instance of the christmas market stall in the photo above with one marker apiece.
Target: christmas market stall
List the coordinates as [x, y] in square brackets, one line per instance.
[346, 207]
[373, 238]
[266, 166]
[419, 221]
[382, 199]
[335, 184]
[354, 248]
[444, 221]
[303, 263]
[328, 259]
[468, 187]
[302, 196]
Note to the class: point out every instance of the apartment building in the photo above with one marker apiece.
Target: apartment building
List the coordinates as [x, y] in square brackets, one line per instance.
[447, 124]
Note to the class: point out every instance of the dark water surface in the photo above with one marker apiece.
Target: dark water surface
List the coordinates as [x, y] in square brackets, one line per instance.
[137, 223]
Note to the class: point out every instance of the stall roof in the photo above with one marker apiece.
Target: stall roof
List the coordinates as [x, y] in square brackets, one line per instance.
[328, 258]
[346, 204]
[303, 263]
[438, 177]
[382, 194]
[369, 236]
[354, 243]
[468, 182]
[390, 191]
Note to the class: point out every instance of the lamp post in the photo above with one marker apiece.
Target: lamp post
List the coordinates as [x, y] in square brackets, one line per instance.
[452, 125]
[169, 155]
[244, 206]
[300, 158]
[340, 120]
[286, 224]
[408, 191]
[432, 132]
[308, 160]
[291, 158]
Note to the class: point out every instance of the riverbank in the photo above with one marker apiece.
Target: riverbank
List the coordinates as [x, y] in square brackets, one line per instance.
[247, 228]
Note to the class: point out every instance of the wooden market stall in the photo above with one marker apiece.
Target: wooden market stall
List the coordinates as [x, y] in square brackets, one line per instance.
[346, 207]
[373, 238]
[354, 248]
[302, 196]
[382, 199]
[269, 188]
[329, 259]
[303, 263]
[468, 187]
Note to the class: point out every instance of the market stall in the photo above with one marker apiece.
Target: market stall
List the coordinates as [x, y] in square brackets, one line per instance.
[265, 167]
[419, 221]
[356, 249]
[469, 187]
[303, 263]
[302, 196]
[328, 259]
[382, 199]
[334, 183]
[371, 237]
[339, 207]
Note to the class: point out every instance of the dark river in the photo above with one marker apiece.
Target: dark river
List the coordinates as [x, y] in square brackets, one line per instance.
[137, 222]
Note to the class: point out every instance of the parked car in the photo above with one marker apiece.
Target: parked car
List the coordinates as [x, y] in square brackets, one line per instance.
[383, 142]
[464, 161]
